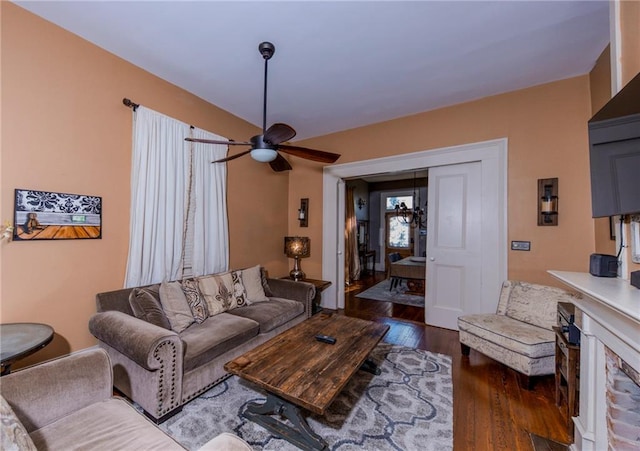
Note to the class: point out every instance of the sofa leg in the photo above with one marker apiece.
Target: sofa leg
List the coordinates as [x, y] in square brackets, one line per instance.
[163, 418]
[465, 349]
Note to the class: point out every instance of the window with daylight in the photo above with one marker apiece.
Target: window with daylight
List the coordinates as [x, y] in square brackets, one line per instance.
[398, 232]
[392, 201]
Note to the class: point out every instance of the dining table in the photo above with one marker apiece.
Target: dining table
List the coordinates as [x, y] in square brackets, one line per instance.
[413, 270]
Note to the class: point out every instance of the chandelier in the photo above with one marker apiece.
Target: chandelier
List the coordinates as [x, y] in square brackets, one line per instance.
[415, 217]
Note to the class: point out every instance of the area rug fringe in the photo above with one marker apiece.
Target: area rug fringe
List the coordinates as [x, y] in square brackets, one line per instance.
[409, 406]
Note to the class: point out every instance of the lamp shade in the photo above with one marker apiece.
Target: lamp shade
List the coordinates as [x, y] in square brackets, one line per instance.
[297, 246]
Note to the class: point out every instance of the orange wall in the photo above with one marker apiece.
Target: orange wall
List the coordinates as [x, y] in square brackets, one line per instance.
[547, 131]
[64, 129]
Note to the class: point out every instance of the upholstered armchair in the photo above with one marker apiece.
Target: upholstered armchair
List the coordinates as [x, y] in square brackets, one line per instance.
[68, 403]
[520, 333]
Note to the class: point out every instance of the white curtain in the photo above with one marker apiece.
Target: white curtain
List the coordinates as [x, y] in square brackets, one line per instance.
[210, 224]
[163, 170]
[352, 257]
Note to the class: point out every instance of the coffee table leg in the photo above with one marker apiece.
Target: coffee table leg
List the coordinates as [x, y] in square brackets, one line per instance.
[300, 433]
[370, 367]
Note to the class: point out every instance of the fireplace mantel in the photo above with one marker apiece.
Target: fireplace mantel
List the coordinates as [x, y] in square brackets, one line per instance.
[608, 314]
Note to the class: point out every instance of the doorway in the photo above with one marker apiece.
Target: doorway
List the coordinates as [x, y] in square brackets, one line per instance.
[492, 157]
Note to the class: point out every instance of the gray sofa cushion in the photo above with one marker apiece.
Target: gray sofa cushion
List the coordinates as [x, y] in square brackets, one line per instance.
[175, 306]
[215, 336]
[145, 304]
[272, 313]
[108, 425]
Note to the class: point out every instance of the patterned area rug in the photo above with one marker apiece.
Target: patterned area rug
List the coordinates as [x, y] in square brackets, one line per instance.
[409, 406]
[381, 292]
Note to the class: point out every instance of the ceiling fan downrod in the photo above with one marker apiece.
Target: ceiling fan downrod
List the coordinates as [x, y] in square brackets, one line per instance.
[267, 50]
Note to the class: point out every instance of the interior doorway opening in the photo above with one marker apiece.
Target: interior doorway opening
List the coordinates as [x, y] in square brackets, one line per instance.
[389, 217]
[492, 156]
[389, 213]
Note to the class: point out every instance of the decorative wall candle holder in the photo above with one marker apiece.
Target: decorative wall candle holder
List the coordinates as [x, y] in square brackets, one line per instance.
[548, 202]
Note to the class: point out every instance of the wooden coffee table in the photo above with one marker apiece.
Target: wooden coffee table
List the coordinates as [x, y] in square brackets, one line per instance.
[296, 371]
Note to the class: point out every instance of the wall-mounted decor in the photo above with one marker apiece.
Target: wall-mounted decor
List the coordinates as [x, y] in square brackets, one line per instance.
[43, 215]
[303, 212]
[548, 202]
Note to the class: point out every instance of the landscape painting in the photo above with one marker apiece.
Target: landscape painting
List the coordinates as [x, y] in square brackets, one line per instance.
[43, 215]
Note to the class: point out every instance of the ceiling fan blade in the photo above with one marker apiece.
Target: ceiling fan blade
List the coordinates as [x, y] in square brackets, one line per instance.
[232, 157]
[309, 154]
[280, 164]
[215, 141]
[279, 133]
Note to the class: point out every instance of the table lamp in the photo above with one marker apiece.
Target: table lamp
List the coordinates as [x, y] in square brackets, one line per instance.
[297, 247]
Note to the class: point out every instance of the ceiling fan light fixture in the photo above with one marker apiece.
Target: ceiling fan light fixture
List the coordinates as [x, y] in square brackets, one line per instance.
[265, 147]
[264, 155]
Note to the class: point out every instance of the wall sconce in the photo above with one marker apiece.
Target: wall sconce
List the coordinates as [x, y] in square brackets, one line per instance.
[297, 247]
[548, 202]
[303, 213]
[361, 203]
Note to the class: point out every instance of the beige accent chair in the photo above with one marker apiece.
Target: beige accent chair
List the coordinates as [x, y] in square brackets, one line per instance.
[520, 333]
[67, 404]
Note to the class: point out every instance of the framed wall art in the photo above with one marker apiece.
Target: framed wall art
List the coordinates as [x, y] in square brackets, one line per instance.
[43, 215]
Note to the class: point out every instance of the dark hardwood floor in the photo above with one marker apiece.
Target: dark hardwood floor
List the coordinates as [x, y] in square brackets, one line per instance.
[490, 410]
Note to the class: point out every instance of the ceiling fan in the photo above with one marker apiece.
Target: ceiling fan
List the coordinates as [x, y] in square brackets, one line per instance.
[265, 147]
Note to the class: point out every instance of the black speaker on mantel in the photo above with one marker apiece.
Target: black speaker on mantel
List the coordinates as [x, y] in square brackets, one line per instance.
[635, 278]
[602, 265]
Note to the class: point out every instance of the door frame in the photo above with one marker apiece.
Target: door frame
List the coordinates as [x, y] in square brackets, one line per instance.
[493, 157]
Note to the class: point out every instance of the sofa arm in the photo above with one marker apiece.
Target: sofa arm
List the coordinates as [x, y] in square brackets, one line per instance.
[133, 337]
[41, 394]
[301, 291]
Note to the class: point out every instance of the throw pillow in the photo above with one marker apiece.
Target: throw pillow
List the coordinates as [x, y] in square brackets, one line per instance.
[175, 306]
[239, 290]
[252, 281]
[13, 435]
[217, 290]
[195, 299]
[145, 304]
[265, 284]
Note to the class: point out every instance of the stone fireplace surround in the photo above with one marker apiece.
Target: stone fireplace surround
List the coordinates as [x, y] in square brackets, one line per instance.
[608, 316]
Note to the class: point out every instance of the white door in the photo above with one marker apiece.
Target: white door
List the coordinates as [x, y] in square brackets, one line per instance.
[454, 250]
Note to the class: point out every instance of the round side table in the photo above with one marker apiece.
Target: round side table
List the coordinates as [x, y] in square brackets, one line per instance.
[18, 340]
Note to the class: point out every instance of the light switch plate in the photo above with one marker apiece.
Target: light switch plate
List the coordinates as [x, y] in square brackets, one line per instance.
[521, 245]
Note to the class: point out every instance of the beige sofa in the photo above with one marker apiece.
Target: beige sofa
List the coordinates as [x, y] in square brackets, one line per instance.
[161, 369]
[67, 404]
[519, 334]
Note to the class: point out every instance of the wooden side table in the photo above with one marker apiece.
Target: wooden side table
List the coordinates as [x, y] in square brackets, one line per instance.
[567, 377]
[320, 285]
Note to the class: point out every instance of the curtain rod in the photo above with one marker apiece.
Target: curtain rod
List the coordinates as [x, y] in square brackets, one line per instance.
[130, 104]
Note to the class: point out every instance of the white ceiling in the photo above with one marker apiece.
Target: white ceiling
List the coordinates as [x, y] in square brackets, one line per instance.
[341, 64]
